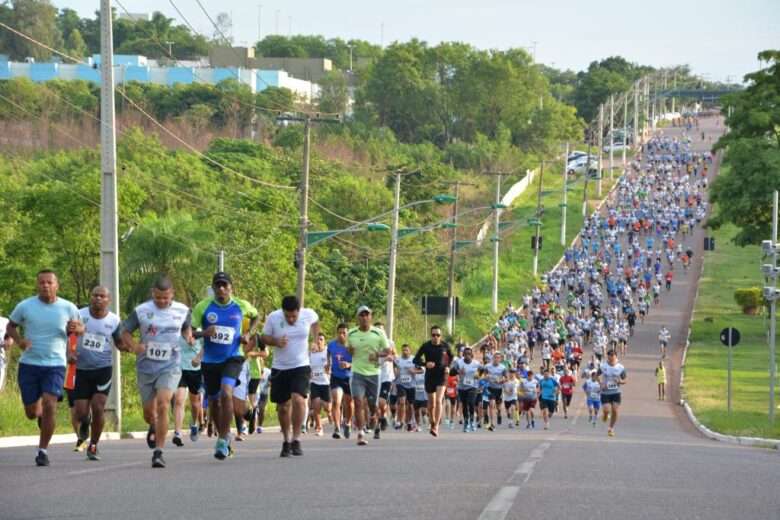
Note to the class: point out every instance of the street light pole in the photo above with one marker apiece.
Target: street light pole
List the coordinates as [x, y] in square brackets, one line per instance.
[538, 219]
[636, 114]
[109, 243]
[451, 281]
[773, 317]
[588, 137]
[625, 129]
[390, 312]
[611, 134]
[564, 209]
[496, 244]
[601, 147]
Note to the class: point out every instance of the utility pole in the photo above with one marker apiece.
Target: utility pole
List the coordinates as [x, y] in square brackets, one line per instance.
[451, 310]
[538, 219]
[304, 206]
[636, 113]
[303, 187]
[611, 134]
[109, 243]
[625, 129]
[259, 19]
[221, 261]
[564, 208]
[647, 106]
[653, 102]
[773, 317]
[495, 244]
[674, 87]
[390, 312]
[588, 138]
[601, 147]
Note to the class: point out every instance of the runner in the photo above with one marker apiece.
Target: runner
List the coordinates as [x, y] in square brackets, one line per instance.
[613, 375]
[548, 396]
[94, 364]
[288, 329]
[568, 381]
[159, 322]
[366, 344]
[592, 389]
[468, 388]
[47, 321]
[254, 358]
[509, 395]
[386, 377]
[340, 375]
[262, 396]
[405, 385]
[530, 394]
[496, 374]
[191, 383]
[660, 379]
[436, 356]
[663, 340]
[451, 398]
[221, 319]
[319, 389]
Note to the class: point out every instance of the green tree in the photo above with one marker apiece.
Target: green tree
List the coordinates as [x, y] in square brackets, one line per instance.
[334, 94]
[75, 44]
[743, 193]
[36, 18]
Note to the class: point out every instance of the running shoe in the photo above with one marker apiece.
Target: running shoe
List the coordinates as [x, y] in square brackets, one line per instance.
[92, 452]
[295, 448]
[221, 449]
[177, 439]
[194, 433]
[491, 428]
[318, 432]
[376, 434]
[285, 450]
[41, 459]
[336, 435]
[150, 438]
[157, 459]
[361, 440]
[465, 428]
[611, 432]
[259, 429]
[346, 432]
[80, 445]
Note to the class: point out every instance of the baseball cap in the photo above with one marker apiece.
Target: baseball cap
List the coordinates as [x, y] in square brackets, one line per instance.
[221, 277]
[363, 308]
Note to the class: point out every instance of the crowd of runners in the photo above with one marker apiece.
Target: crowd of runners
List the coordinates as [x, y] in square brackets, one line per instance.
[564, 339]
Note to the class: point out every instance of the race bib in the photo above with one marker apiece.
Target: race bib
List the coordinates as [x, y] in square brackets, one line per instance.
[420, 388]
[468, 381]
[594, 396]
[612, 385]
[93, 342]
[494, 378]
[317, 374]
[405, 380]
[223, 335]
[159, 351]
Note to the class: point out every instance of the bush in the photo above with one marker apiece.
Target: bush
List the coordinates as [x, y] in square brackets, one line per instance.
[750, 299]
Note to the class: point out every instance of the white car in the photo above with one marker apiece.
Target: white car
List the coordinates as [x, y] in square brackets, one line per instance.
[577, 166]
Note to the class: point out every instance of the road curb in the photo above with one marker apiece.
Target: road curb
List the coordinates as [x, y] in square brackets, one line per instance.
[19, 441]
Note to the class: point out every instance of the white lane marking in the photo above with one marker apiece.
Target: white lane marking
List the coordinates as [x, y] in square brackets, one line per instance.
[502, 501]
[106, 468]
[499, 505]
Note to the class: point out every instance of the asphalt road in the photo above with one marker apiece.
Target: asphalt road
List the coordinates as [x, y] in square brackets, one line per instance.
[657, 467]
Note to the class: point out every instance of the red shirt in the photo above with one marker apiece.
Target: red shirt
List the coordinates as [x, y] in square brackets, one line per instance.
[452, 386]
[567, 384]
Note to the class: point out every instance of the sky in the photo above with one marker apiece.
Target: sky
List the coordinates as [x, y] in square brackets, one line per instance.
[718, 39]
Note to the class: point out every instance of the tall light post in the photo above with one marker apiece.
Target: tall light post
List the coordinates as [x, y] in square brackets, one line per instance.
[611, 134]
[496, 240]
[565, 194]
[601, 147]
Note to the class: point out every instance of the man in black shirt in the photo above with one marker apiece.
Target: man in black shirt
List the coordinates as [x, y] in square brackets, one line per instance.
[435, 355]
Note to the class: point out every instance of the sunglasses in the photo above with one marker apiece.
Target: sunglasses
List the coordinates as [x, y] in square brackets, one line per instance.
[436, 335]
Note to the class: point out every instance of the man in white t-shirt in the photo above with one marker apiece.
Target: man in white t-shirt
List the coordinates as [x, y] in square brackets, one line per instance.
[5, 344]
[288, 329]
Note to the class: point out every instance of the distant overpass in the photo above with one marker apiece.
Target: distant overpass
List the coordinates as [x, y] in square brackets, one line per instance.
[699, 94]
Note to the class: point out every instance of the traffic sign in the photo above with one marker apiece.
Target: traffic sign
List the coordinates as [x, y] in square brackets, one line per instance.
[729, 337]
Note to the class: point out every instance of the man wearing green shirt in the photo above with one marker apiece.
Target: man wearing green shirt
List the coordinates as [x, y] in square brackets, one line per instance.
[366, 344]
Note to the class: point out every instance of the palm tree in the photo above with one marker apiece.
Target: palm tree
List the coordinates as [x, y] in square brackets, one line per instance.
[174, 245]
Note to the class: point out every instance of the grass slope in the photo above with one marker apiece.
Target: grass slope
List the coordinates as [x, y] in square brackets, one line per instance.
[727, 268]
